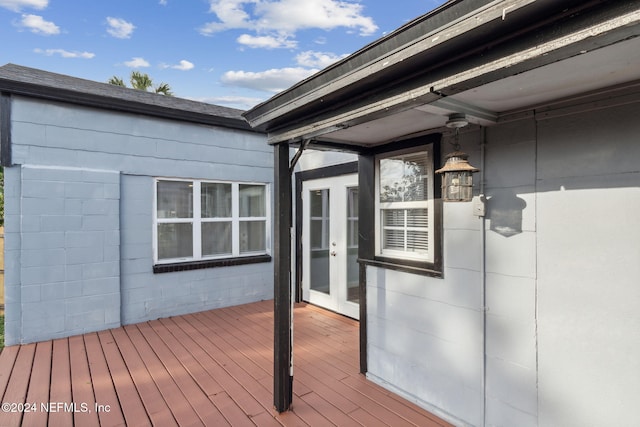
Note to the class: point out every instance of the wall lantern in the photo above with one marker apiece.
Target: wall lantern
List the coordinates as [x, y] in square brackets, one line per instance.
[457, 179]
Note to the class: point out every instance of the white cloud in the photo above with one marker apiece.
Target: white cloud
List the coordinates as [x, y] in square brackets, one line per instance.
[119, 28]
[286, 17]
[65, 53]
[137, 62]
[163, 2]
[36, 24]
[18, 5]
[267, 42]
[324, 14]
[231, 15]
[183, 65]
[274, 80]
[239, 102]
[314, 59]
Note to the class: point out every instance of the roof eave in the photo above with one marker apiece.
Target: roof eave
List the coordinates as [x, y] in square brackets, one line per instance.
[121, 104]
[459, 37]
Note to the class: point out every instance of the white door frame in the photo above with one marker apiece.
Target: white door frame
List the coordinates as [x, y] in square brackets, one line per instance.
[334, 243]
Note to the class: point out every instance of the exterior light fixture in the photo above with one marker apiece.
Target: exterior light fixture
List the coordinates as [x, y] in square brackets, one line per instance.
[457, 179]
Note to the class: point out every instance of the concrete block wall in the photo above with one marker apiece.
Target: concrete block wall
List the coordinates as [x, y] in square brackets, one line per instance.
[511, 253]
[67, 254]
[146, 295]
[414, 351]
[79, 200]
[56, 134]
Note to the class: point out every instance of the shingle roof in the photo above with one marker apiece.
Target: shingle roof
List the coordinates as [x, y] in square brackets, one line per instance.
[20, 80]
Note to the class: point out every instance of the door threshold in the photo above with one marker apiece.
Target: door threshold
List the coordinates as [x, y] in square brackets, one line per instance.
[330, 311]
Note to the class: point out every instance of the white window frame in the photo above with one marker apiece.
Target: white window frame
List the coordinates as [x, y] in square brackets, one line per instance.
[197, 221]
[425, 256]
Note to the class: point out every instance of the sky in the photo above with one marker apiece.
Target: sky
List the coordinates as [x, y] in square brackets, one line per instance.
[235, 53]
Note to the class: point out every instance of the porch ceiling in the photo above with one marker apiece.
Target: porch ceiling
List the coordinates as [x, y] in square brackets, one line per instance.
[486, 104]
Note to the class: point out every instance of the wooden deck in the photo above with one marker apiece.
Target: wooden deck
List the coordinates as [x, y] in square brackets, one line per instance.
[206, 369]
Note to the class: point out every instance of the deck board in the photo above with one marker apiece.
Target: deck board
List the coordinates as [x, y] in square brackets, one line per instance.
[7, 361]
[110, 413]
[18, 385]
[129, 396]
[40, 375]
[222, 366]
[193, 393]
[178, 403]
[83, 399]
[209, 368]
[60, 390]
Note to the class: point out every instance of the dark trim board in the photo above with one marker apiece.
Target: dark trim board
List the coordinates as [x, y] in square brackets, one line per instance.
[328, 171]
[362, 284]
[406, 267]
[366, 229]
[5, 129]
[211, 263]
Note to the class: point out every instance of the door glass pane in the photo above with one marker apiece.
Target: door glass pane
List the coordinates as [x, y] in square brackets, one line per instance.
[353, 292]
[319, 241]
[175, 240]
[216, 238]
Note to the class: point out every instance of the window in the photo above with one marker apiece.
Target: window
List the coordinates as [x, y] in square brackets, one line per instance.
[201, 220]
[405, 205]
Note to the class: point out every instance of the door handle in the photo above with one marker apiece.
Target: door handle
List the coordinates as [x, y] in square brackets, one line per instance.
[333, 253]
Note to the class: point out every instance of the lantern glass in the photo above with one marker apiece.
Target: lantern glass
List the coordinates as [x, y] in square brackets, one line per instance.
[457, 186]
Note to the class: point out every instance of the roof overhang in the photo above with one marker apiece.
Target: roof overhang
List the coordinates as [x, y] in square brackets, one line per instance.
[33, 83]
[482, 58]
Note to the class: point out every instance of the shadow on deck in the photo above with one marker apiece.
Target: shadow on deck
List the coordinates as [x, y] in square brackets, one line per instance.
[212, 368]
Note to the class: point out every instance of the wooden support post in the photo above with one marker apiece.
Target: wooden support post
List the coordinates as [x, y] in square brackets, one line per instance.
[282, 375]
[366, 238]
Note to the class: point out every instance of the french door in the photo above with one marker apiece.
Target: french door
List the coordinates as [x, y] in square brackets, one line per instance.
[330, 243]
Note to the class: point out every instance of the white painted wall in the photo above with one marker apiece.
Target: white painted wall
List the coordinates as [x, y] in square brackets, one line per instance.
[314, 159]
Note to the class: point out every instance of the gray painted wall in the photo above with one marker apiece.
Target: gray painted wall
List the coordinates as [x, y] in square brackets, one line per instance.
[562, 272]
[148, 296]
[588, 268]
[79, 210]
[64, 242]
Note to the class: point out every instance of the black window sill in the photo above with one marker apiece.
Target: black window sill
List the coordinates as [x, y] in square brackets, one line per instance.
[406, 266]
[209, 263]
